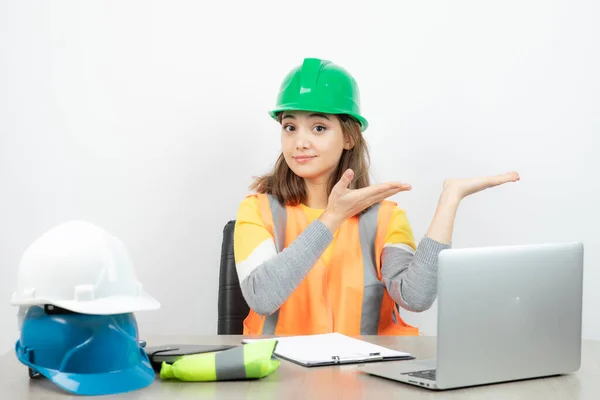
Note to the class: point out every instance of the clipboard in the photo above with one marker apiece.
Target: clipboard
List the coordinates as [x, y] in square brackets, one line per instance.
[340, 360]
[331, 349]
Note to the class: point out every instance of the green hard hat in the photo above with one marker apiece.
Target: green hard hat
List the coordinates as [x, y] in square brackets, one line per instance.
[320, 86]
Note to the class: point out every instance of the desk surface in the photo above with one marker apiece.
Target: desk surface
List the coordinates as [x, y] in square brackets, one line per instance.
[291, 381]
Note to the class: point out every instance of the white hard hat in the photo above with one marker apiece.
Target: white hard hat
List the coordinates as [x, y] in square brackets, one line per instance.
[82, 268]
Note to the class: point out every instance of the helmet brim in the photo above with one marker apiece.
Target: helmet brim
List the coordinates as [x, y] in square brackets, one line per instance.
[361, 120]
[101, 306]
[113, 382]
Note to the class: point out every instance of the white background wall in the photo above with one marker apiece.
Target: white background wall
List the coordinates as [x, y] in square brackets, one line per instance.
[150, 118]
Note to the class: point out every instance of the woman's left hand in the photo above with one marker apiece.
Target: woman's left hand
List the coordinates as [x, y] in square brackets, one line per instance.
[461, 188]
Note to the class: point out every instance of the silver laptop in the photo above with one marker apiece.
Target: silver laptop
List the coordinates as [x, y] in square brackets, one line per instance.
[504, 313]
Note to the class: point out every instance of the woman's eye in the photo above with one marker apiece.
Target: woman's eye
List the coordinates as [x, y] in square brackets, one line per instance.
[288, 128]
[320, 128]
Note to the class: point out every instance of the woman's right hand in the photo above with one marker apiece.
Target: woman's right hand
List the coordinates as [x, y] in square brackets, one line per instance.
[344, 203]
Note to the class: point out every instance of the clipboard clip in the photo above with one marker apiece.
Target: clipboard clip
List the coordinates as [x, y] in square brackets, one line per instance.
[357, 358]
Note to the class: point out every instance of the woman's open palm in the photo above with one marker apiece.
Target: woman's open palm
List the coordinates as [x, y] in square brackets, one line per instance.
[468, 186]
[346, 202]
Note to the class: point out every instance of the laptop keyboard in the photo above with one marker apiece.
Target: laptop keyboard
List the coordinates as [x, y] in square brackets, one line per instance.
[427, 374]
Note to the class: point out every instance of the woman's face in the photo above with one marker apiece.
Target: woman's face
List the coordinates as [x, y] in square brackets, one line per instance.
[312, 143]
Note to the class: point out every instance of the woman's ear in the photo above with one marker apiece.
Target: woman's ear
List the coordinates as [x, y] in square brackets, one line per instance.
[348, 143]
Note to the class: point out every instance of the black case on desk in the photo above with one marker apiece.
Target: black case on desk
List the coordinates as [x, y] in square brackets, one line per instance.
[170, 353]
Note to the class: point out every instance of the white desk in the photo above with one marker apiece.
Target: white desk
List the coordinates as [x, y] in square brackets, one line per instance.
[291, 381]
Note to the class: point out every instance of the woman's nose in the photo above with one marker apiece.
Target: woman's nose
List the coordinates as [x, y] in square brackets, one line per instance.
[302, 139]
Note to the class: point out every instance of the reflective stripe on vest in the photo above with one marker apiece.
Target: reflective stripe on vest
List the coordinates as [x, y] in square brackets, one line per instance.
[373, 291]
[230, 364]
[279, 214]
[373, 288]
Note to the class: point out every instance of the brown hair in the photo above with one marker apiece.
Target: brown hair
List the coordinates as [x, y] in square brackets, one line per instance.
[289, 188]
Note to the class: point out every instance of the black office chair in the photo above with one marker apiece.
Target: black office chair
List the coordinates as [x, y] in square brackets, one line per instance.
[233, 308]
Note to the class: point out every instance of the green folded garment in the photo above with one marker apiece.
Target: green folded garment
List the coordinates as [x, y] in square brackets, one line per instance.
[251, 361]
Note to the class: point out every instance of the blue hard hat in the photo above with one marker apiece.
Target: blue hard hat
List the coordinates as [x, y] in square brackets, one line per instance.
[85, 354]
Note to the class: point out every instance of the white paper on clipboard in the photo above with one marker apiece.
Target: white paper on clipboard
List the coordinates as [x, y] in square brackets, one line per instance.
[331, 349]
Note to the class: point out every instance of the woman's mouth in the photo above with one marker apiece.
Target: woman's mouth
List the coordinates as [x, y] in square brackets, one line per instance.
[304, 159]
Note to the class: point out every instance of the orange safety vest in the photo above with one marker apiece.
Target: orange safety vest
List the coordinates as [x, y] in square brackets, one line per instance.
[345, 296]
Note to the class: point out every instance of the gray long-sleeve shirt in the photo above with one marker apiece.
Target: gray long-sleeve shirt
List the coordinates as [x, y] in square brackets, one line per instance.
[409, 276]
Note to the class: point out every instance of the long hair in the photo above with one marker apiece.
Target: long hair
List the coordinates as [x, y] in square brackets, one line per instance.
[289, 188]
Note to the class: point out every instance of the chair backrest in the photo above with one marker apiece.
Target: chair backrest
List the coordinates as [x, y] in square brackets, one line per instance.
[233, 308]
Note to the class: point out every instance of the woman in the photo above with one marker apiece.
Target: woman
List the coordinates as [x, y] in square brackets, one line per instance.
[318, 248]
